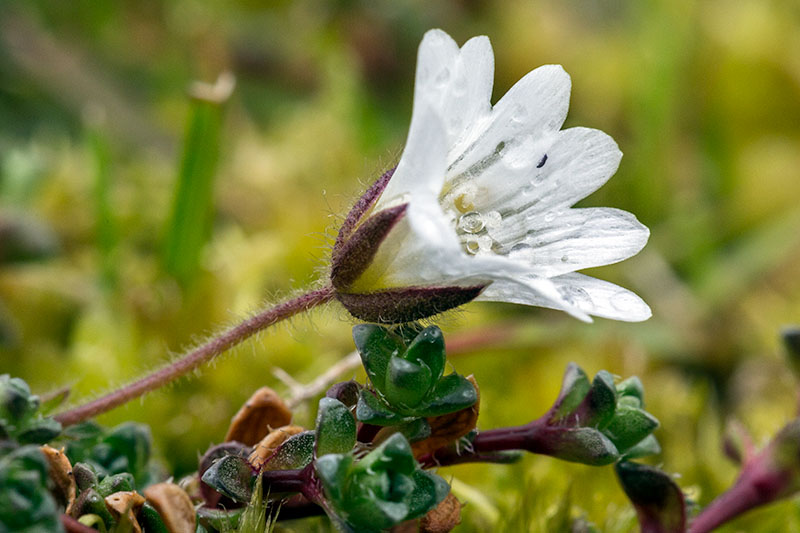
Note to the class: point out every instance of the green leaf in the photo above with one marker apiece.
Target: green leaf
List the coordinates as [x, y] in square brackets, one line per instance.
[296, 452]
[116, 483]
[217, 519]
[647, 446]
[597, 408]
[152, 522]
[574, 388]
[392, 454]
[629, 426]
[336, 428]
[429, 491]
[428, 349]
[631, 387]
[371, 410]
[332, 469]
[579, 445]
[16, 400]
[231, 476]
[453, 393]
[407, 383]
[39, 431]
[659, 502]
[376, 345]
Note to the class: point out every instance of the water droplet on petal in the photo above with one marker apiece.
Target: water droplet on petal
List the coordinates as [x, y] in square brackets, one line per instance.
[492, 219]
[549, 217]
[576, 296]
[519, 113]
[472, 246]
[624, 301]
[564, 258]
[471, 222]
[485, 243]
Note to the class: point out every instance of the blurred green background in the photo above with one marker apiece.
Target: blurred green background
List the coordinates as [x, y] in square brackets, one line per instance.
[135, 220]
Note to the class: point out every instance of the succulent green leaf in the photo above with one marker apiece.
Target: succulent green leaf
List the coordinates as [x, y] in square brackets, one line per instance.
[16, 400]
[39, 431]
[416, 430]
[453, 393]
[296, 452]
[332, 470]
[574, 388]
[629, 426]
[659, 502]
[407, 383]
[647, 446]
[428, 349]
[231, 476]
[579, 445]
[371, 410]
[91, 502]
[336, 427]
[392, 454]
[25, 502]
[429, 491]
[152, 522]
[597, 408]
[116, 483]
[85, 476]
[376, 345]
[218, 519]
[631, 387]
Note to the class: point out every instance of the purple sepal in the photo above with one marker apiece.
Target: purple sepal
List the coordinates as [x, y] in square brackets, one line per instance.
[397, 306]
[355, 254]
[363, 205]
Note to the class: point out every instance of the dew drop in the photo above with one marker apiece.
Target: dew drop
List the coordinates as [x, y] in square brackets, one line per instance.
[564, 258]
[624, 301]
[472, 246]
[530, 190]
[485, 243]
[471, 222]
[519, 113]
[492, 219]
[549, 217]
[576, 296]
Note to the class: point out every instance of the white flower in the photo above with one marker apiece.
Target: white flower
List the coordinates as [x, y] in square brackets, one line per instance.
[483, 193]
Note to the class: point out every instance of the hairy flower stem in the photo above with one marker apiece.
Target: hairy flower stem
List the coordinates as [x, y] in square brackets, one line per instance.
[197, 357]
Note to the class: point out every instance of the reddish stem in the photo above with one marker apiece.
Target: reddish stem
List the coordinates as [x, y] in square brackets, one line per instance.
[73, 526]
[197, 357]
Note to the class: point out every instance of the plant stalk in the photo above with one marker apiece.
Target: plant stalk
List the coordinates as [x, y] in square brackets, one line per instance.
[197, 357]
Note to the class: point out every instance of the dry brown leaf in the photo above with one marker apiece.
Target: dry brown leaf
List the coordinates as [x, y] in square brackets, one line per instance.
[443, 518]
[61, 474]
[263, 450]
[123, 505]
[262, 412]
[450, 427]
[174, 506]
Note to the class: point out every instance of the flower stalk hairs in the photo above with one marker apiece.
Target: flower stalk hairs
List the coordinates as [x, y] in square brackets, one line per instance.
[478, 208]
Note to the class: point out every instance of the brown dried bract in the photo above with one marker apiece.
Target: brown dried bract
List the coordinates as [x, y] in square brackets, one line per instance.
[262, 412]
[443, 518]
[174, 506]
[447, 428]
[123, 506]
[61, 474]
[264, 449]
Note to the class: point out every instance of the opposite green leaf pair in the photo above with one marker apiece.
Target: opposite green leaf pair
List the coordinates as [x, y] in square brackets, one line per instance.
[407, 377]
[609, 418]
[384, 488]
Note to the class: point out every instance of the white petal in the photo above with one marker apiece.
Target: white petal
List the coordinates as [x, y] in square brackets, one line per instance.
[592, 296]
[535, 106]
[422, 166]
[533, 175]
[570, 240]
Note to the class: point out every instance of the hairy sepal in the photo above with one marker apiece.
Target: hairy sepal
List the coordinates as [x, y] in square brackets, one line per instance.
[398, 306]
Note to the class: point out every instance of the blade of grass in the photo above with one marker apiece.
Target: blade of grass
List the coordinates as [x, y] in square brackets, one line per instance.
[193, 204]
